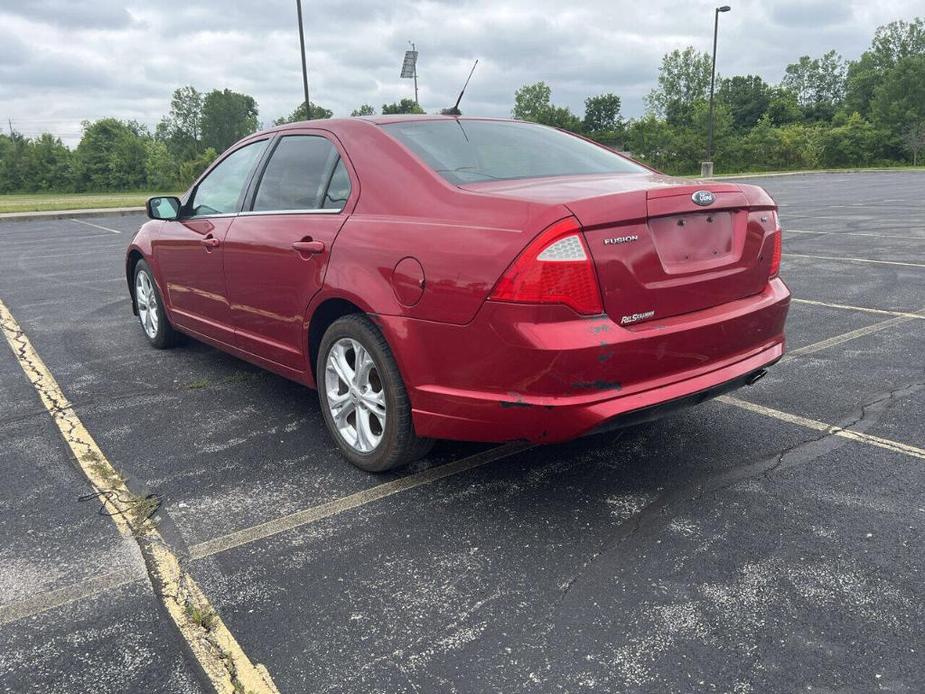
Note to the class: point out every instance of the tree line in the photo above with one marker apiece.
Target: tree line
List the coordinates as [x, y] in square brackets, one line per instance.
[116, 155]
[825, 112]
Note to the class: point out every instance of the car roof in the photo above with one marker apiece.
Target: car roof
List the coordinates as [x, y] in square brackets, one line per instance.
[337, 124]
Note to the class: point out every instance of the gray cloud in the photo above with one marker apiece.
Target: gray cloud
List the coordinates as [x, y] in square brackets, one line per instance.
[63, 61]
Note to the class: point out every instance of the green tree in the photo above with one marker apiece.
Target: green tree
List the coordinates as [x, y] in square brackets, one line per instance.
[746, 96]
[191, 169]
[15, 174]
[161, 169]
[819, 84]
[897, 40]
[51, 168]
[683, 80]
[855, 142]
[181, 129]
[364, 110]
[899, 100]
[315, 112]
[227, 116]
[891, 43]
[403, 106]
[783, 107]
[111, 156]
[532, 102]
[602, 115]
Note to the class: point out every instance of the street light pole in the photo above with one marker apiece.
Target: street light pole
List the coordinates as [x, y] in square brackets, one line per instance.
[415, 76]
[308, 107]
[706, 169]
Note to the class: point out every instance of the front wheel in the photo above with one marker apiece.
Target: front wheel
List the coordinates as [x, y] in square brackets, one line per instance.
[363, 398]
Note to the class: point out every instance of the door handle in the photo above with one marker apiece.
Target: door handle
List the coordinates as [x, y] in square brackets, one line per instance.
[210, 242]
[309, 247]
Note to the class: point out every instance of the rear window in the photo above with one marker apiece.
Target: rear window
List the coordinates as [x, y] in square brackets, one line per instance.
[467, 151]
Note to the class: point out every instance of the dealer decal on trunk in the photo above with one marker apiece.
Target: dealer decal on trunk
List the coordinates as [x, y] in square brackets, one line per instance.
[636, 317]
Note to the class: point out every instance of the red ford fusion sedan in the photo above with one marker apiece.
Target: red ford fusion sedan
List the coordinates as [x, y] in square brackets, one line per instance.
[441, 277]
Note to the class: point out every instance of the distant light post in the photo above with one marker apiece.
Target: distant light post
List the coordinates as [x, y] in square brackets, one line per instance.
[409, 69]
[308, 108]
[706, 168]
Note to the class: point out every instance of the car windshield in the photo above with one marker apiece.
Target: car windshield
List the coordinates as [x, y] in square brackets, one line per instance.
[468, 151]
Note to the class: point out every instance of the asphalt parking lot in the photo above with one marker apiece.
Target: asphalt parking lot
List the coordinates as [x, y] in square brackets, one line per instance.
[740, 546]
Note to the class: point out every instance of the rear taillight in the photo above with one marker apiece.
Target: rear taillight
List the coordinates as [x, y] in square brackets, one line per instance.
[556, 268]
[775, 252]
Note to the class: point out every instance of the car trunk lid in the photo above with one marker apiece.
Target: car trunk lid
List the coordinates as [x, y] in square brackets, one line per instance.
[658, 253]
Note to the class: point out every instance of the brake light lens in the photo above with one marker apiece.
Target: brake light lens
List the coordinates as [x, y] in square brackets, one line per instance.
[776, 253]
[556, 268]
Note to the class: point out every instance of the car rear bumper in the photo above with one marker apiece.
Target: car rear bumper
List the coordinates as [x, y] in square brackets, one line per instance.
[541, 374]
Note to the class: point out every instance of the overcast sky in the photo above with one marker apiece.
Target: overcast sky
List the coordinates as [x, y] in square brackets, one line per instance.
[63, 61]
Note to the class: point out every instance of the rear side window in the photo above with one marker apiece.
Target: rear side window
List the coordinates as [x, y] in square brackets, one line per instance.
[297, 175]
[467, 151]
[218, 193]
[338, 189]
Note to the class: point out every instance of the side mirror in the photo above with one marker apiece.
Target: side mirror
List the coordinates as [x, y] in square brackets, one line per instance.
[166, 207]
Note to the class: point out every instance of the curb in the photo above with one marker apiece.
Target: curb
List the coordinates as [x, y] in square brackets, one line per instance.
[69, 214]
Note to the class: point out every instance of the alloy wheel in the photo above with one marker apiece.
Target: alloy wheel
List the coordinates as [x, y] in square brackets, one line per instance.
[146, 301]
[355, 395]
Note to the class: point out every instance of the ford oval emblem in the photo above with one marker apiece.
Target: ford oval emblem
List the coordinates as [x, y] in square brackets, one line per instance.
[703, 198]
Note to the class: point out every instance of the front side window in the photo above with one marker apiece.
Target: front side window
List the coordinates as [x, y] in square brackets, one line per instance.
[468, 151]
[218, 193]
[297, 175]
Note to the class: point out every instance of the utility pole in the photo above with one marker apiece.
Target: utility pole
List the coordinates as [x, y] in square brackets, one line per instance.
[706, 169]
[415, 74]
[308, 107]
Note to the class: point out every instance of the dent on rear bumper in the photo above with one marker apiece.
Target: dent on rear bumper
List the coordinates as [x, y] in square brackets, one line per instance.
[544, 374]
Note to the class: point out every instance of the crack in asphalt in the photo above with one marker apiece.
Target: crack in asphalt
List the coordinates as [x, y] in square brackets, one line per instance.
[715, 483]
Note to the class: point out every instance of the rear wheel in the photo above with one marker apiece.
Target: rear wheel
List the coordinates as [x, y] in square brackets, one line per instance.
[150, 308]
[363, 398]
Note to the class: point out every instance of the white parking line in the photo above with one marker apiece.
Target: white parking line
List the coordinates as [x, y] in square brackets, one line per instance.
[854, 233]
[879, 442]
[853, 260]
[899, 314]
[96, 226]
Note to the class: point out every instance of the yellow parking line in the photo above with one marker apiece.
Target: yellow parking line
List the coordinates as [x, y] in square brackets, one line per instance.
[877, 441]
[853, 260]
[864, 309]
[316, 513]
[215, 648]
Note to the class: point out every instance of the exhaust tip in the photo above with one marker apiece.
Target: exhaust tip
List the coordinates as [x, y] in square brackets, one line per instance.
[755, 377]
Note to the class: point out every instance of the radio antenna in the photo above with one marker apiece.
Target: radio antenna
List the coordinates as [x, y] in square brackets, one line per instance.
[454, 111]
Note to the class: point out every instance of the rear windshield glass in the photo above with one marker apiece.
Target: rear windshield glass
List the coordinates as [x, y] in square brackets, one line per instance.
[467, 151]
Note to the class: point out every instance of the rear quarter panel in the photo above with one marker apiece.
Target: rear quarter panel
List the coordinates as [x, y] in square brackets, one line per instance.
[463, 240]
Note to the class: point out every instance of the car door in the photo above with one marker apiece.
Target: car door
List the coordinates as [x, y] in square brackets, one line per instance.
[189, 252]
[276, 252]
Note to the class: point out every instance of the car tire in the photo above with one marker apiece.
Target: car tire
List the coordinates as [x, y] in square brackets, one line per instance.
[366, 409]
[150, 309]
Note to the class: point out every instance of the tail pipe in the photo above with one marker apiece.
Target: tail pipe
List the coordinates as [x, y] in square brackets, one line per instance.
[756, 376]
